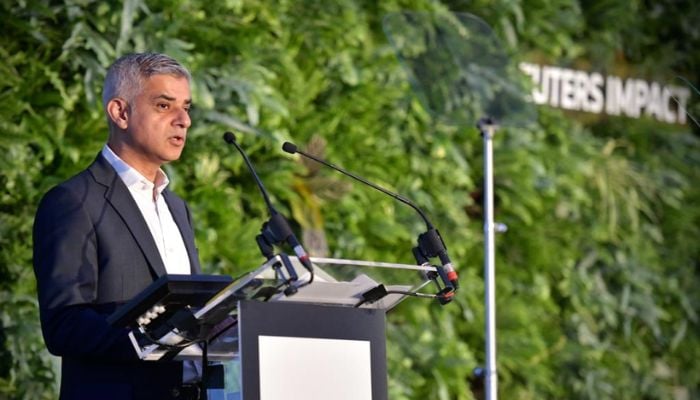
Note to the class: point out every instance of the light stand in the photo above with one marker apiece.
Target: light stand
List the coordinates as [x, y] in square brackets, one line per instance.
[487, 127]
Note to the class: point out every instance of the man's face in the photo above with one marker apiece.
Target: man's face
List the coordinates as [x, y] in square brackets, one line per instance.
[158, 122]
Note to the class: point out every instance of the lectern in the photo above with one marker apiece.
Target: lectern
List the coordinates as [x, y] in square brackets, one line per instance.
[282, 331]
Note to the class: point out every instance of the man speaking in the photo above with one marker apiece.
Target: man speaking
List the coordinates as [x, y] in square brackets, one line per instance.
[105, 234]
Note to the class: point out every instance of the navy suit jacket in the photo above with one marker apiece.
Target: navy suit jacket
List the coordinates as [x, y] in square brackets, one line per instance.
[93, 252]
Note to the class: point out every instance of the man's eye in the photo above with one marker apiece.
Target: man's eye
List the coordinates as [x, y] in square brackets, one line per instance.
[163, 106]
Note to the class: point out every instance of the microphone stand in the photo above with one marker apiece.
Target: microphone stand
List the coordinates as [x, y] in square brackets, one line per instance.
[276, 231]
[430, 243]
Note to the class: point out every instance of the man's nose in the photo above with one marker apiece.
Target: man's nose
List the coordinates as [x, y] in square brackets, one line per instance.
[183, 119]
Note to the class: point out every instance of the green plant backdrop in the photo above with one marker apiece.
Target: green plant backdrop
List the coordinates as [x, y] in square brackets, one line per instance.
[597, 275]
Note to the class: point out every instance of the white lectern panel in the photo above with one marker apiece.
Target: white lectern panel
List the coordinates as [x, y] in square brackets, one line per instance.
[295, 368]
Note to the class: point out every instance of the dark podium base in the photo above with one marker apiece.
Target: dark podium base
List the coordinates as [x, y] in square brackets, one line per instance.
[309, 351]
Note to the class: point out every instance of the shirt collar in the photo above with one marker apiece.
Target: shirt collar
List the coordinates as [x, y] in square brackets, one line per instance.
[133, 178]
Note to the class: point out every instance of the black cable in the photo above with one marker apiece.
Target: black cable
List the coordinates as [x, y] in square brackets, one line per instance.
[405, 293]
[224, 329]
[170, 347]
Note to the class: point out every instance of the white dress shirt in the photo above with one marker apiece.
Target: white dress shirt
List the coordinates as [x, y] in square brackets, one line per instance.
[155, 211]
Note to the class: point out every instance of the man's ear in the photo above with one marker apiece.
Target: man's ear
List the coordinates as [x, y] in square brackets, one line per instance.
[117, 110]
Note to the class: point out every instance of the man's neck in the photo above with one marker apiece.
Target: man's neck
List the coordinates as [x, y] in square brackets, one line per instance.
[148, 170]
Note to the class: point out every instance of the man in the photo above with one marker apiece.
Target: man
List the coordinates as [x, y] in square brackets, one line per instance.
[104, 235]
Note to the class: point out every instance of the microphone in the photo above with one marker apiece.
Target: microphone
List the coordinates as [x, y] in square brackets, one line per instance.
[276, 230]
[430, 243]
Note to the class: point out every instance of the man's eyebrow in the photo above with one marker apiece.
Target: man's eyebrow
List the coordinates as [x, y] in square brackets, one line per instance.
[170, 98]
[164, 96]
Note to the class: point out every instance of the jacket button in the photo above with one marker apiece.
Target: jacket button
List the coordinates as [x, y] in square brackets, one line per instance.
[175, 392]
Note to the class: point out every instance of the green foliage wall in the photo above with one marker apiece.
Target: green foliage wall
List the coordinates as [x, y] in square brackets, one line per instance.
[597, 274]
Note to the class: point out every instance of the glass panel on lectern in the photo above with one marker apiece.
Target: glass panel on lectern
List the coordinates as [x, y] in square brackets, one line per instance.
[335, 281]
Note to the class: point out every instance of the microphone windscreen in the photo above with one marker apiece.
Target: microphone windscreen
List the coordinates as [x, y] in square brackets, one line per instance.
[290, 148]
[229, 137]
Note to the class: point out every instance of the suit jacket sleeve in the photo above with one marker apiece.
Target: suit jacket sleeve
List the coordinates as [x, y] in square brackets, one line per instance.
[67, 270]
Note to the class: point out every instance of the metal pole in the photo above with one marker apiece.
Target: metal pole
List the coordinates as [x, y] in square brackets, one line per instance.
[488, 129]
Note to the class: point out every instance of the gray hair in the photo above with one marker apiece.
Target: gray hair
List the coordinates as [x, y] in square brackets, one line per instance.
[126, 76]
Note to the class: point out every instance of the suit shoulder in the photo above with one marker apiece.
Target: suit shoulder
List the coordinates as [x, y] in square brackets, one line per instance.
[75, 187]
[81, 184]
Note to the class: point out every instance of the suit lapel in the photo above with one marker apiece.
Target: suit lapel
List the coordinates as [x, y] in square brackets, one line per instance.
[119, 197]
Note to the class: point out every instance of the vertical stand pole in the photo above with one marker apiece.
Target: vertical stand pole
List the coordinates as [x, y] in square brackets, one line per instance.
[487, 127]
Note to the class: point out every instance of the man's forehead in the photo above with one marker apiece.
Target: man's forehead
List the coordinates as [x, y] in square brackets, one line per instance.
[169, 87]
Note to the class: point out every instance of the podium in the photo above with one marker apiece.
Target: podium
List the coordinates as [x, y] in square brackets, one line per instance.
[282, 331]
